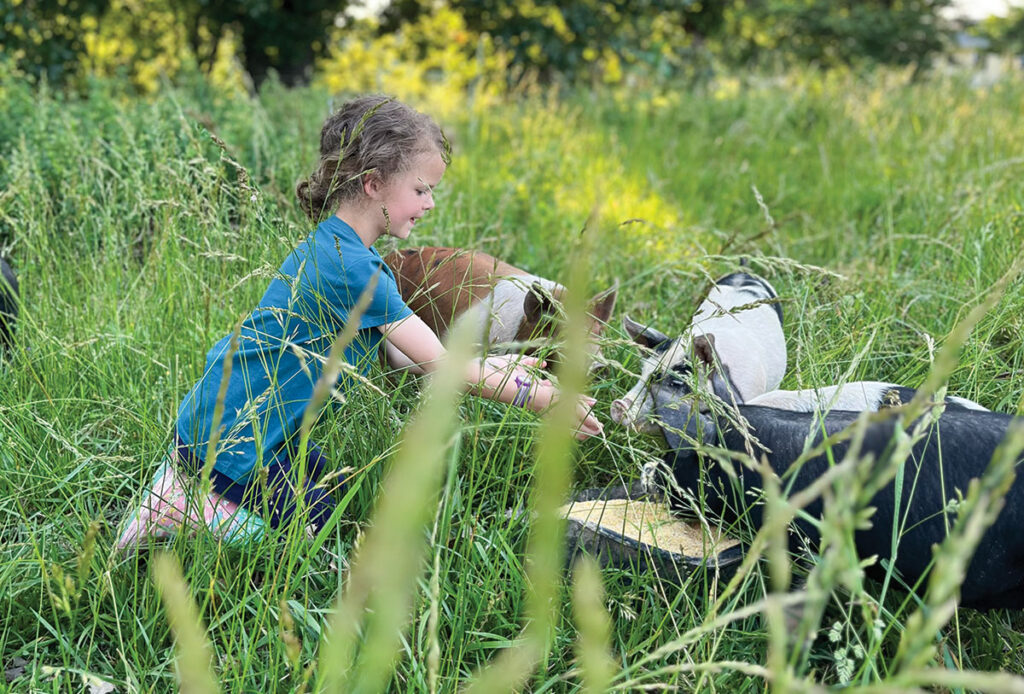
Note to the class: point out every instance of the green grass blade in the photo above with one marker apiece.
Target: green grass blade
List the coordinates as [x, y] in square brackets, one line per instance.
[195, 671]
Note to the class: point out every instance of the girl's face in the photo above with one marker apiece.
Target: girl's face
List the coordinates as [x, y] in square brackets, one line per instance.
[410, 195]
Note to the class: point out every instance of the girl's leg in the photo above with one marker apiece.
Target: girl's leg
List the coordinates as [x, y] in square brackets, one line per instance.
[284, 488]
[275, 497]
[172, 504]
[232, 511]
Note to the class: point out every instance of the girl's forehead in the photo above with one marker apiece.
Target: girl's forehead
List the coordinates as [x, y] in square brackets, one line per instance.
[428, 167]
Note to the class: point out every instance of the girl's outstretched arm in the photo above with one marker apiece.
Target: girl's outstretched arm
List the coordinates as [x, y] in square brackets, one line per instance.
[397, 359]
[503, 378]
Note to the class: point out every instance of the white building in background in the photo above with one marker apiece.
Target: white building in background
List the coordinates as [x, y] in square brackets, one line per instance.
[970, 52]
[976, 10]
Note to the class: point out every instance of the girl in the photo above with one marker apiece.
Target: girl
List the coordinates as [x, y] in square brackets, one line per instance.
[379, 163]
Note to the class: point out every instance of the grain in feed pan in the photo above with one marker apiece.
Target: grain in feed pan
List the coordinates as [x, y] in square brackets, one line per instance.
[622, 528]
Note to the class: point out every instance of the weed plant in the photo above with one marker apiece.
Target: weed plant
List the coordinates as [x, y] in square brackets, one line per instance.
[143, 229]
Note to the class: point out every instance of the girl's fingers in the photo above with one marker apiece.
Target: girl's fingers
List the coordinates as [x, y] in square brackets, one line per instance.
[510, 361]
[522, 361]
[589, 425]
[586, 430]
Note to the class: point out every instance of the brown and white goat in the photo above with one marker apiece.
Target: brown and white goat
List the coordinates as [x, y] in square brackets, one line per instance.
[513, 309]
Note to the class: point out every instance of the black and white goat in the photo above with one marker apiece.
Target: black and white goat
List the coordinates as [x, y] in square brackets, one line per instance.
[856, 396]
[957, 449]
[736, 333]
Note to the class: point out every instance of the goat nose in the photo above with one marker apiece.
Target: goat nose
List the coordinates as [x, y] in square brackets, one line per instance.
[619, 408]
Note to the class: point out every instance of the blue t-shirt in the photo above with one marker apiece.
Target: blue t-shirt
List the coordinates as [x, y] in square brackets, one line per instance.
[282, 347]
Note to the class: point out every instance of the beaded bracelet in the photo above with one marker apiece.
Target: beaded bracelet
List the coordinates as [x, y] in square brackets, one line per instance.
[523, 396]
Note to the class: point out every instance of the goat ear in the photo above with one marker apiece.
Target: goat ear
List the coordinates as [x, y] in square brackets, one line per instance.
[631, 327]
[643, 335]
[537, 302]
[601, 306]
[704, 348]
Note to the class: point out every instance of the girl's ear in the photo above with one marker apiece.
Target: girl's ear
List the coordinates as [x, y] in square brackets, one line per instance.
[372, 184]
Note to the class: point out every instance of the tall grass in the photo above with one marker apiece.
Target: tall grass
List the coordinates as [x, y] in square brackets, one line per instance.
[142, 230]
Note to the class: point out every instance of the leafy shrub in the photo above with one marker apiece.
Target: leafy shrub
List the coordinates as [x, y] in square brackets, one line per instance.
[434, 61]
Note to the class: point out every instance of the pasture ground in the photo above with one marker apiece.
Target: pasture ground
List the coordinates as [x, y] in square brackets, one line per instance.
[142, 230]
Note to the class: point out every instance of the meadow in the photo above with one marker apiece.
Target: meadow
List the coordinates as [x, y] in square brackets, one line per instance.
[882, 210]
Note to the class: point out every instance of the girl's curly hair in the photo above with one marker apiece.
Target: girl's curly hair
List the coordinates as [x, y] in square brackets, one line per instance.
[369, 133]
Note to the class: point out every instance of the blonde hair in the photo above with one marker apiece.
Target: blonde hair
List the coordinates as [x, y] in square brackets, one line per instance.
[373, 133]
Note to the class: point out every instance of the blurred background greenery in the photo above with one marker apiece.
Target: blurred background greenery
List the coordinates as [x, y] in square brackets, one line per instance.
[410, 46]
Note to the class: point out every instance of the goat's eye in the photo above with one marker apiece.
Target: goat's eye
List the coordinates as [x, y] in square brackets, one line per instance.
[682, 369]
[676, 376]
[671, 378]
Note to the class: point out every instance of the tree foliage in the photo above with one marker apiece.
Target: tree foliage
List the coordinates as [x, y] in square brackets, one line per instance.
[45, 37]
[836, 32]
[280, 35]
[569, 40]
[576, 38]
[59, 39]
[434, 62]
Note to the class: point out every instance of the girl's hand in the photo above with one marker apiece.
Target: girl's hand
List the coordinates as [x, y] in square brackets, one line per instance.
[587, 424]
[513, 364]
[544, 393]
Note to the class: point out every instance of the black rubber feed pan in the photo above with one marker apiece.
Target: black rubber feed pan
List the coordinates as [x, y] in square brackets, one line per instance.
[628, 528]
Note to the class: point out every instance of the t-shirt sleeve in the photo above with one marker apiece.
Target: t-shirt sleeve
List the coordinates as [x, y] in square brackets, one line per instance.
[386, 303]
